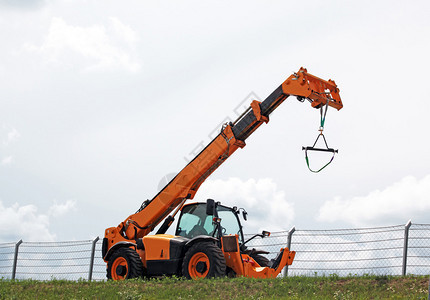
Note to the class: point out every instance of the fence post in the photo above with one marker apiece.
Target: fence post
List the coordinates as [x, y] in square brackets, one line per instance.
[15, 259]
[290, 234]
[405, 247]
[93, 250]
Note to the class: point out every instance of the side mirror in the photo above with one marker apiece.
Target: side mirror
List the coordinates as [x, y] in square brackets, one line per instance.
[245, 215]
[210, 207]
[265, 233]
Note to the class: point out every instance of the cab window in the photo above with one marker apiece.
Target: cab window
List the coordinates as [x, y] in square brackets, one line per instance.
[229, 222]
[194, 221]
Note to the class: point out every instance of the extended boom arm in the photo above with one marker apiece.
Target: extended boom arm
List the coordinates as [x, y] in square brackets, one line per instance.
[232, 136]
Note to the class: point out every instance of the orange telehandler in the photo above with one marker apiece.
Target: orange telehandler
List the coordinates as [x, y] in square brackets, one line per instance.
[216, 249]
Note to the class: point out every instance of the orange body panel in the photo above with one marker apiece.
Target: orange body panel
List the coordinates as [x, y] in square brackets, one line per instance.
[309, 86]
[252, 269]
[113, 236]
[157, 247]
[233, 259]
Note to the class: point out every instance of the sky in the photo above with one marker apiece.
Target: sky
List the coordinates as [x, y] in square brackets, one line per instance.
[101, 102]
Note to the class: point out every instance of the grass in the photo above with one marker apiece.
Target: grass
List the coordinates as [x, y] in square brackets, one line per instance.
[331, 287]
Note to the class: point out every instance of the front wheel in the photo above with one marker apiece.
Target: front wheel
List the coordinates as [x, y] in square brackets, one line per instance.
[203, 260]
[125, 263]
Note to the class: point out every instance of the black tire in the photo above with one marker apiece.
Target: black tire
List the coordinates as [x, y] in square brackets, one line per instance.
[203, 260]
[261, 260]
[124, 263]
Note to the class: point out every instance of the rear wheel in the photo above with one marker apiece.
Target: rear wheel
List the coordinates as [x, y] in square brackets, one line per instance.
[203, 260]
[261, 260]
[124, 263]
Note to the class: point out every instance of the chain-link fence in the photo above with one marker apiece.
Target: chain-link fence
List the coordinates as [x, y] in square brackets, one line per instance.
[418, 256]
[47, 260]
[7, 251]
[393, 250]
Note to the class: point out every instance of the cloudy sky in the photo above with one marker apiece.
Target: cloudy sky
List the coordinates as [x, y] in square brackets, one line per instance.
[101, 101]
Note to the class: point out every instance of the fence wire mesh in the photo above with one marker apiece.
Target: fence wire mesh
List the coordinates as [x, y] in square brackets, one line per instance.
[318, 252]
[53, 260]
[418, 258]
[7, 251]
[353, 251]
[344, 252]
[99, 272]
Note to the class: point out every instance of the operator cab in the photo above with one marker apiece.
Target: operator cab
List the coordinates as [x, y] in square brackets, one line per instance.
[218, 221]
[195, 221]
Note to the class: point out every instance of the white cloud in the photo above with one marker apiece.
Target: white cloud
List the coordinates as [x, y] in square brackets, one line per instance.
[266, 205]
[23, 222]
[95, 47]
[407, 199]
[124, 31]
[57, 210]
[26, 223]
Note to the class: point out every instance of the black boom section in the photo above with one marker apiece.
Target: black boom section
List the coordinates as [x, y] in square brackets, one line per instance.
[246, 125]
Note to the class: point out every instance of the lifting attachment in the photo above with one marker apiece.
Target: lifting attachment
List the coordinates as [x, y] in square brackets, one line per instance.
[313, 148]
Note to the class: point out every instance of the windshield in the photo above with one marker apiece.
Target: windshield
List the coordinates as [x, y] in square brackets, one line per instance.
[194, 221]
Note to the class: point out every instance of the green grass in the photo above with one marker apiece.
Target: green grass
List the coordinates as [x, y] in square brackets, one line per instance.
[331, 287]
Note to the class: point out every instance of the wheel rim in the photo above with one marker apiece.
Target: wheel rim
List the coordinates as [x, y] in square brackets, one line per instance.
[199, 265]
[120, 264]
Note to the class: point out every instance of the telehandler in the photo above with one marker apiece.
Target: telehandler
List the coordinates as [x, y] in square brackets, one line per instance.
[209, 239]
